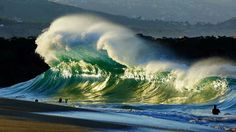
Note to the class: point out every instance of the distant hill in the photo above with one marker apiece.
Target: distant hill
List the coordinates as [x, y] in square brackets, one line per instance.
[229, 23]
[34, 10]
[30, 17]
[193, 11]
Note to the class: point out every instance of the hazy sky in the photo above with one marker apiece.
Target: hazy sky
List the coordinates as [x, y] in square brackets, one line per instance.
[171, 10]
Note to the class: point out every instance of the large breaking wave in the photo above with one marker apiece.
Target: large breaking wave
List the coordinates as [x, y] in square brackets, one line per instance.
[92, 59]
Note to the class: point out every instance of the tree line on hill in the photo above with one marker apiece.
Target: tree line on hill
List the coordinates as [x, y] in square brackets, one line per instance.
[198, 47]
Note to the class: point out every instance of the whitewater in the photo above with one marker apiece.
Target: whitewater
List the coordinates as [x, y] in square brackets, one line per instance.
[104, 66]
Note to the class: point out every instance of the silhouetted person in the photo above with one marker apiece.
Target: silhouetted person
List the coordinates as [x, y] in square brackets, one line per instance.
[66, 100]
[215, 110]
[36, 100]
[60, 100]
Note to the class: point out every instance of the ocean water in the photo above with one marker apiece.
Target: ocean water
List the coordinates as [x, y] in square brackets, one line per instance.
[102, 66]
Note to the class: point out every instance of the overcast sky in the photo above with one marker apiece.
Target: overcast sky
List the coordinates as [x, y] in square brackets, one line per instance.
[171, 10]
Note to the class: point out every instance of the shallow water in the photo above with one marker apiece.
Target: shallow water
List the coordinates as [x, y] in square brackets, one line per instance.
[183, 114]
[139, 122]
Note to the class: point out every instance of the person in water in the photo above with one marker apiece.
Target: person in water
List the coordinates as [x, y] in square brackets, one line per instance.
[60, 100]
[215, 110]
[66, 100]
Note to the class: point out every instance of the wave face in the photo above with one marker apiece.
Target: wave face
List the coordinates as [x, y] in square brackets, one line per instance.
[92, 59]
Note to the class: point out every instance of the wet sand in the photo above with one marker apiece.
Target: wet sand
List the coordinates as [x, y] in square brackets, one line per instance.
[18, 115]
[9, 124]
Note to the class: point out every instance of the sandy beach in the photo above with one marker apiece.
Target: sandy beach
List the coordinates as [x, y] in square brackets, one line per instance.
[20, 116]
[9, 124]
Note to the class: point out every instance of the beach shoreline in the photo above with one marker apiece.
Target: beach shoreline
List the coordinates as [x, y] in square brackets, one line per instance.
[17, 115]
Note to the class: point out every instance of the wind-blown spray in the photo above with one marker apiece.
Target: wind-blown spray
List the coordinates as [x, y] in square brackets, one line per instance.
[70, 32]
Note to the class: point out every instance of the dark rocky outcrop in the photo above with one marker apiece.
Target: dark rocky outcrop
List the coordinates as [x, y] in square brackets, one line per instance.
[18, 61]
